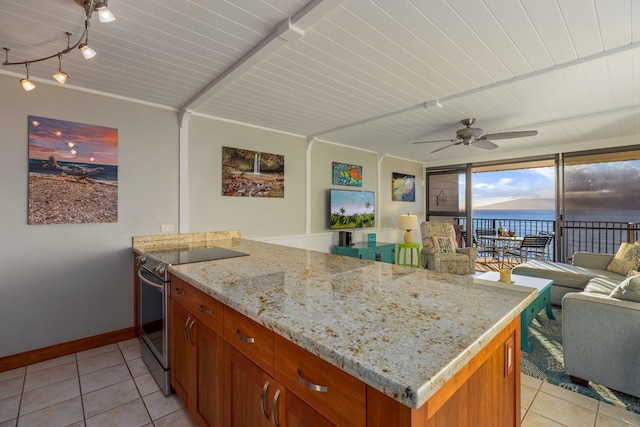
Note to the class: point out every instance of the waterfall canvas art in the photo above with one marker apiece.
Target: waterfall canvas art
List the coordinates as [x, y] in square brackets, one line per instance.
[247, 173]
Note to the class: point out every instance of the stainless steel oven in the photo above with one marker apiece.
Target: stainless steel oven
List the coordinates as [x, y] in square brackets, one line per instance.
[154, 283]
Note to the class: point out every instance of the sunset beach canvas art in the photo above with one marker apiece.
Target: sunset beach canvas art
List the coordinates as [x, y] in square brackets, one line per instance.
[73, 172]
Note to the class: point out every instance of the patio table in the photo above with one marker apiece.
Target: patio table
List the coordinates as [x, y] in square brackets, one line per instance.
[500, 244]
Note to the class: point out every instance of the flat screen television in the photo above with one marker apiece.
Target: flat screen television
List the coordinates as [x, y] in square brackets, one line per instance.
[351, 209]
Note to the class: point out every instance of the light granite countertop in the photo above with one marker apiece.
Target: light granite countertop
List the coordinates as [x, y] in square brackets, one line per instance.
[401, 330]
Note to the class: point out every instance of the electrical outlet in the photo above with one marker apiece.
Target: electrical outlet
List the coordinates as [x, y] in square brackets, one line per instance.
[166, 228]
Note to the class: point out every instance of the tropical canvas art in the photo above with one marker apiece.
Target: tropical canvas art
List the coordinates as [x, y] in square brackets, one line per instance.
[73, 172]
[403, 187]
[344, 174]
[247, 173]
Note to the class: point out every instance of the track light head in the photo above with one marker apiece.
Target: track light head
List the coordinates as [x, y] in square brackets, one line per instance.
[104, 14]
[86, 50]
[61, 77]
[27, 84]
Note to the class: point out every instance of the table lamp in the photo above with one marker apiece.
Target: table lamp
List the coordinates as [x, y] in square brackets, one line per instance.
[408, 222]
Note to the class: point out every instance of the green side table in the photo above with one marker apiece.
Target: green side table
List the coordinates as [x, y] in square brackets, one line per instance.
[406, 250]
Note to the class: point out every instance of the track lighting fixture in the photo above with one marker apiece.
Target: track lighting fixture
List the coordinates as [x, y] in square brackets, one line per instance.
[89, 6]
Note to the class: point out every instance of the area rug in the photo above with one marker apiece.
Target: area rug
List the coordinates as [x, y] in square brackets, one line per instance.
[546, 362]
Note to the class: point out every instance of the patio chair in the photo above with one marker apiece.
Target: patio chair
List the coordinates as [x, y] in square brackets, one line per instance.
[482, 245]
[531, 246]
[547, 251]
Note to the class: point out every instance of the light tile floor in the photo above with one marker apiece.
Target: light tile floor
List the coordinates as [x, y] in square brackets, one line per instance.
[105, 386]
[110, 385]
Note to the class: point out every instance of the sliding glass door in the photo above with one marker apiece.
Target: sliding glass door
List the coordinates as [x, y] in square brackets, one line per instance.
[447, 192]
[600, 207]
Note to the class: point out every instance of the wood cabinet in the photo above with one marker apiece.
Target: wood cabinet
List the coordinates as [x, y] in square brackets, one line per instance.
[374, 251]
[485, 392]
[252, 398]
[197, 353]
[299, 414]
[233, 372]
[336, 395]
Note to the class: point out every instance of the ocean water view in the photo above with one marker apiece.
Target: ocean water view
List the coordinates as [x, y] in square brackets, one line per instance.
[108, 173]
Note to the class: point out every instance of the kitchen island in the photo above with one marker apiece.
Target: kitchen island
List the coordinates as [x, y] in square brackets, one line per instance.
[425, 346]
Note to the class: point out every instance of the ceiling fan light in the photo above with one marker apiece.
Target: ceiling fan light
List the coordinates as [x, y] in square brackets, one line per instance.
[27, 85]
[61, 77]
[87, 52]
[105, 15]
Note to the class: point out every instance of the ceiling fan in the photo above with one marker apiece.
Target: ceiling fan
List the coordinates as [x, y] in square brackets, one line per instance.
[477, 137]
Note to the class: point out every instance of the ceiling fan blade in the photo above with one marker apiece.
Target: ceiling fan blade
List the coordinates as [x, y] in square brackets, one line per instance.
[486, 144]
[507, 135]
[439, 140]
[446, 146]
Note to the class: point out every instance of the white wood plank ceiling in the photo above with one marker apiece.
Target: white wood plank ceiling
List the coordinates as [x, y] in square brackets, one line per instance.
[364, 73]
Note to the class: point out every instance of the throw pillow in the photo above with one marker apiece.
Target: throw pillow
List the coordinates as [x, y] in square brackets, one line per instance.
[628, 289]
[444, 244]
[627, 258]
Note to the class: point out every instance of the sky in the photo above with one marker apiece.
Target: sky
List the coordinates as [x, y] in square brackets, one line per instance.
[72, 142]
[502, 186]
[609, 181]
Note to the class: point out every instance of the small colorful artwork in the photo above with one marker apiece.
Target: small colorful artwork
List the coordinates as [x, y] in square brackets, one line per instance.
[73, 172]
[403, 187]
[344, 174]
[247, 173]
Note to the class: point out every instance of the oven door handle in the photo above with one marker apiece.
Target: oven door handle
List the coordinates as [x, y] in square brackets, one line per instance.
[149, 282]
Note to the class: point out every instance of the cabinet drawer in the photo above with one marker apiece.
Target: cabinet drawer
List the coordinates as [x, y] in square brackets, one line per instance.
[336, 395]
[202, 306]
[250, 338]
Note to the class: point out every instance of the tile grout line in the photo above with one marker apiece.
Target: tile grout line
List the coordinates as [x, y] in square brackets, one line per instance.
[136, 384]
[24, 382]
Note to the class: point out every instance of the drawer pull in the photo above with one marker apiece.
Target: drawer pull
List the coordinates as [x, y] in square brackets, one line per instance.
[274, 411]
[310, 385]
[206, 310]
[265, 388]
[179, 291]
[242, 338]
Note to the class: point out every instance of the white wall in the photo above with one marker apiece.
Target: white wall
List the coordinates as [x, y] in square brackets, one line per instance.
[253, 216]
[64, 282]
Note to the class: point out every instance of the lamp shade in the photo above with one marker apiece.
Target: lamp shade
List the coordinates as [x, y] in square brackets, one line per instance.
[408, 223]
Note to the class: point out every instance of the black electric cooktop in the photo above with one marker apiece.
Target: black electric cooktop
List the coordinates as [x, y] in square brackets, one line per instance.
[195, 255]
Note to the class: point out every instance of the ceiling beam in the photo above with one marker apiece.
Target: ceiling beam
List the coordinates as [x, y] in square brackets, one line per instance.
[289, 30]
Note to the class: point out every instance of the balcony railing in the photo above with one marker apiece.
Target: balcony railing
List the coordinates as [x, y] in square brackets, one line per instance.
[597, 236]
[574, 236]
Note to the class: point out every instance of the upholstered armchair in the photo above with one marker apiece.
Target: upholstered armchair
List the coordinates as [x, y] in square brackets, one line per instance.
[440, 252]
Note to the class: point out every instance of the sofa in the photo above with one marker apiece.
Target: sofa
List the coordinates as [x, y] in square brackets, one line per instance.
[601, 315]
[586, 267]
[440, 251]
[601, 338]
